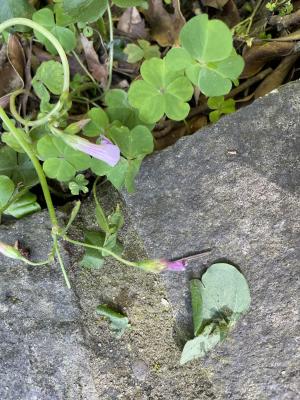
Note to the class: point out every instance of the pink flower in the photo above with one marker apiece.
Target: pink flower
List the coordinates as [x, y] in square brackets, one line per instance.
[162, 265]
[106, 151]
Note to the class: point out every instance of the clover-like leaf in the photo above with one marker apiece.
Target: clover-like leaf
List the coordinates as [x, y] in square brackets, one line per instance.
[14, 9]
[67, 38]
[211, 62]
[17, 166]
[119, 323]
[161, 91]
[99, 122]
[123, 174]
[61, 162]
[79, 184]
[119, 109]
[143, 49]
[133, 143]
[220, 107]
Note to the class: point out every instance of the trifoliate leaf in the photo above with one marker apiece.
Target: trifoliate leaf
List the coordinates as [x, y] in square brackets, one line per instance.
[161, 91]
[99, 122]
[61, 162]
[66, 37]
[136, 52]
[221, 106]
[119, 323]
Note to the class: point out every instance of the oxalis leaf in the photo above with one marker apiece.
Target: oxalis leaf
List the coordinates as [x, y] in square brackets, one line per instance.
[13, 9]
[67, 38]
[162, 90]
[61, 162]
[119, 323]
[218, 301]
[211, 62]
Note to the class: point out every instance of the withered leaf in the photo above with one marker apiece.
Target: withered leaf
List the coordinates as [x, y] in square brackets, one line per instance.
[132, 23]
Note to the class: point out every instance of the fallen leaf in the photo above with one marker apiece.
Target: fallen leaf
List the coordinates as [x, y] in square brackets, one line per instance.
[277, 77]
[164, 27]
[98, 70]
[219, 4]
[259, 54]
[230, 14]
[12, 66]
[133, 24]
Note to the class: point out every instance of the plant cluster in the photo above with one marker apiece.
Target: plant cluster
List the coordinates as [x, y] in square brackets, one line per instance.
[60, 150]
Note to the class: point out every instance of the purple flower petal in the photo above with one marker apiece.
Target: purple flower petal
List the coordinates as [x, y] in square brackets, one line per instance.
[179, 265]
[107, 152]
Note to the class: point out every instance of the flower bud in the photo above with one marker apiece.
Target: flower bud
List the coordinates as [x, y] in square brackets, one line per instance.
[10, 251]
[157, 266]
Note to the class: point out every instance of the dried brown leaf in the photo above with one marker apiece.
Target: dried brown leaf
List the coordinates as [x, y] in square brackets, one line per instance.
[219, 4]
[132, 23]
[259, 54]
[164, 27]
[277, 77]
[98, 70]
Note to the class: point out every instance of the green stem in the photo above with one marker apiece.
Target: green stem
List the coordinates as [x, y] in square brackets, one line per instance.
[27, 148]
[37, 263]
[111, 253]
[60, 260]
[111, 48]
[84, 68]
[37, 27]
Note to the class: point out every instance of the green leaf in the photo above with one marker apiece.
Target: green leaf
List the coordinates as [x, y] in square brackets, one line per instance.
[221, 106]
[93, 258]
[14, 9]
[195, 288]
[61, 162]
[84, 10]
[7, 188]
[67, 38]
[78, 185]
[24, 205]
[129, 3]
[224, 292]
[211, 63]
[99, 122]
[50, 75]
[161, 91]
[133, 143]
[17, 166]
[200, 345]
[118, 108]
[119, 323]
[214, 39]
[136, 52]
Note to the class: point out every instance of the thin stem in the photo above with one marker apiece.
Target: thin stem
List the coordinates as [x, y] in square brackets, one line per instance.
[37, 263]
[60, 260]
[37, 27]
[111, 47]
[84, 68]
[91, 246]
[27, 148]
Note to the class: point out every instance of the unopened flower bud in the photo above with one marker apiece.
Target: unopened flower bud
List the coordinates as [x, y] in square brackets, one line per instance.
[10, 251]
[157, 266]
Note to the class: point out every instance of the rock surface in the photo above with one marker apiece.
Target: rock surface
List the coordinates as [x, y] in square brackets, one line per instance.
[42, 351]
[234, 188]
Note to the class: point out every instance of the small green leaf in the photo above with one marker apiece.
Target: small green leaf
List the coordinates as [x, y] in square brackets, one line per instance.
[221, 106]
[133, 143]
[119, 323]
[51, 75]
[136, 52]
[61, 162]
[7, 188]
[161, 91]
[93, 258]
[24, 205]
[129, 3]
[17, 166]
[200, 345]
[118, 108]
[78, 185]
[99, 122]
[67, 38]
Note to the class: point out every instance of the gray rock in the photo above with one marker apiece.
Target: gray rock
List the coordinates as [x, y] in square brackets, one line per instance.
[234, 188]
[42, 350]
